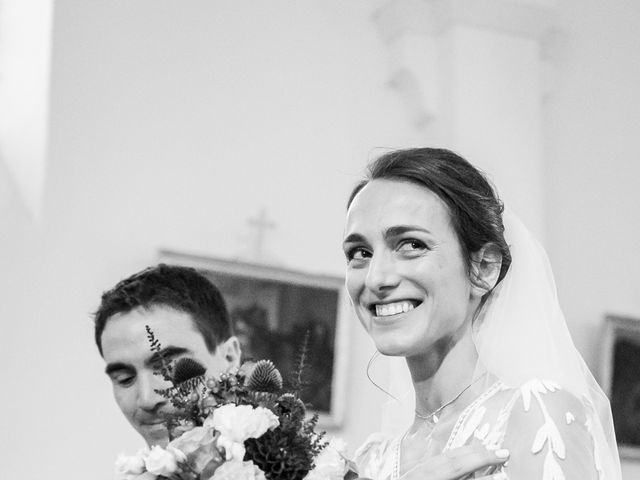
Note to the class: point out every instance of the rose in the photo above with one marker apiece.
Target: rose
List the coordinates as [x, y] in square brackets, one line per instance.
[237, 470]
[182, 427]
[330, 464]
[238, 423]
[194, 439]
[232, 450]
[164, 462]
[129, 465]
[142, 476]
[198, 445]
[132, 467]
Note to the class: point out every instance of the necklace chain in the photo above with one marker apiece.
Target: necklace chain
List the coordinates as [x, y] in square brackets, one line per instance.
[433, 415]
[396, 463]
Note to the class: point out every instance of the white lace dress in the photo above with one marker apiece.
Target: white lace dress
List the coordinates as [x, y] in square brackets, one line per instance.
[544, 428]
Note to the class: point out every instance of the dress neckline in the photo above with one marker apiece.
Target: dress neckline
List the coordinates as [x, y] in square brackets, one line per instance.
[481, 398]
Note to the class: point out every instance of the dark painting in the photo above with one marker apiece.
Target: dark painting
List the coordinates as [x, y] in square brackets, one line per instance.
[625, 390]
[275, 320]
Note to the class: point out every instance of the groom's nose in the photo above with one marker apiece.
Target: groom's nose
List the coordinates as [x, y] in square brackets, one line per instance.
[148, 397]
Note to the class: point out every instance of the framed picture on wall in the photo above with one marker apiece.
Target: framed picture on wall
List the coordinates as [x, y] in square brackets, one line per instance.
[273, 309]
[621, 380]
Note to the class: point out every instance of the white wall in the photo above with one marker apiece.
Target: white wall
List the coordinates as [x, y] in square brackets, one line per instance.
[592, 170]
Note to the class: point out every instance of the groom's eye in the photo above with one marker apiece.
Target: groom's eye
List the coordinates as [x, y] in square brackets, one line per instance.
[157, 365]
[126, 381]
[123, 379]
[167, 361]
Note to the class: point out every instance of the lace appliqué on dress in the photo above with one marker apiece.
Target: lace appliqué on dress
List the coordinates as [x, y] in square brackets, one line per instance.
[544, 421]
[548, 434]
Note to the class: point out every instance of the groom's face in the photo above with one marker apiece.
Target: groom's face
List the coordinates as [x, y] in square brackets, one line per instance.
[132, 366]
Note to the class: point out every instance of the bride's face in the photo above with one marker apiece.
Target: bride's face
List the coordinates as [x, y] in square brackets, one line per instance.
[406, 275]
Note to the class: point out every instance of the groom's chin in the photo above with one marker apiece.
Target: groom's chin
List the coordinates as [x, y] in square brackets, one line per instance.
[155, 434]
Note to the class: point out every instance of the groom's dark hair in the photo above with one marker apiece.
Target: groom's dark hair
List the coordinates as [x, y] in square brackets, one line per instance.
[180, 288]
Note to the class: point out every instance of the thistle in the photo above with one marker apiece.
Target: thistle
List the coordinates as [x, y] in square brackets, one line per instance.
[291, 409]
[186, 369]
[265, 378]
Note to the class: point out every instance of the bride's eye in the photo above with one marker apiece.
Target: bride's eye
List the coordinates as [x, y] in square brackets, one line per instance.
[411, 245]
[357, 254]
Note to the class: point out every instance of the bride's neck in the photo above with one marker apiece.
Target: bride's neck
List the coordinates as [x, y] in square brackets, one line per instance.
[443, 372]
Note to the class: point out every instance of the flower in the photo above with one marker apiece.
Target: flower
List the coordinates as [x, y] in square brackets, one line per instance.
[241, 422]
[238, 470]
[237, 423]
[145, 476]
[132, 467]
[142, 476]
[330, 463]
[129, 464]
[198, 446]
[232, 450]
[182, 427]
[164, 462]
[192, 440]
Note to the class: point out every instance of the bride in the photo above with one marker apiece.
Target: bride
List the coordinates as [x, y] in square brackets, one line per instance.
[438, 275]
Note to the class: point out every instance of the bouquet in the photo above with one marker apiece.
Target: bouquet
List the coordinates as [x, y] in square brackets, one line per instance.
[242, 425]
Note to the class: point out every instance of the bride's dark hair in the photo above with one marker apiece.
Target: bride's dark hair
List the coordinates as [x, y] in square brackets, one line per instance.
[474, 207]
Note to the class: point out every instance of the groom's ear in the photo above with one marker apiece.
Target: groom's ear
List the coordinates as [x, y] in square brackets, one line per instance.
[230, 350]
[485, 269]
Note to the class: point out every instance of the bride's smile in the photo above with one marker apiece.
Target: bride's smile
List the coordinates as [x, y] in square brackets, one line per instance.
[393, 308]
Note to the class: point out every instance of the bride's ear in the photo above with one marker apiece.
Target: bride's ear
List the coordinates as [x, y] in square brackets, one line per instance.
[485, 268]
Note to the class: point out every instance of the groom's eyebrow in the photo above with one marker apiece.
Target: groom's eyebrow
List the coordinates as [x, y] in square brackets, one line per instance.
[166, 354]
[115, 367]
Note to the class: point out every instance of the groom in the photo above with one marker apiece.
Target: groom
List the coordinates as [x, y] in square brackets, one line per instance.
[189, 318]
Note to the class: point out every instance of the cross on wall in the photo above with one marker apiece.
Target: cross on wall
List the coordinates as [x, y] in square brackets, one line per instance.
[260, 226]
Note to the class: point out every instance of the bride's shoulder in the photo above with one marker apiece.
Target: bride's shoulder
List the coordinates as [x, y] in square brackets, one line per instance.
[522, 408]
[546, 428]
[541, 398]
[539, 408]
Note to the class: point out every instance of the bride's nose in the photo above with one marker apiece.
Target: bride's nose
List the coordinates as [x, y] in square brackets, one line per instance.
[382, 275]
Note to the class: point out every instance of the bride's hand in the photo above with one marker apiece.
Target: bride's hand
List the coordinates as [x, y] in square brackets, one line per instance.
[458, 463]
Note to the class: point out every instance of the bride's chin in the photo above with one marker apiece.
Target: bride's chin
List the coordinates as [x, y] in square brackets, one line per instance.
[390, 347]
